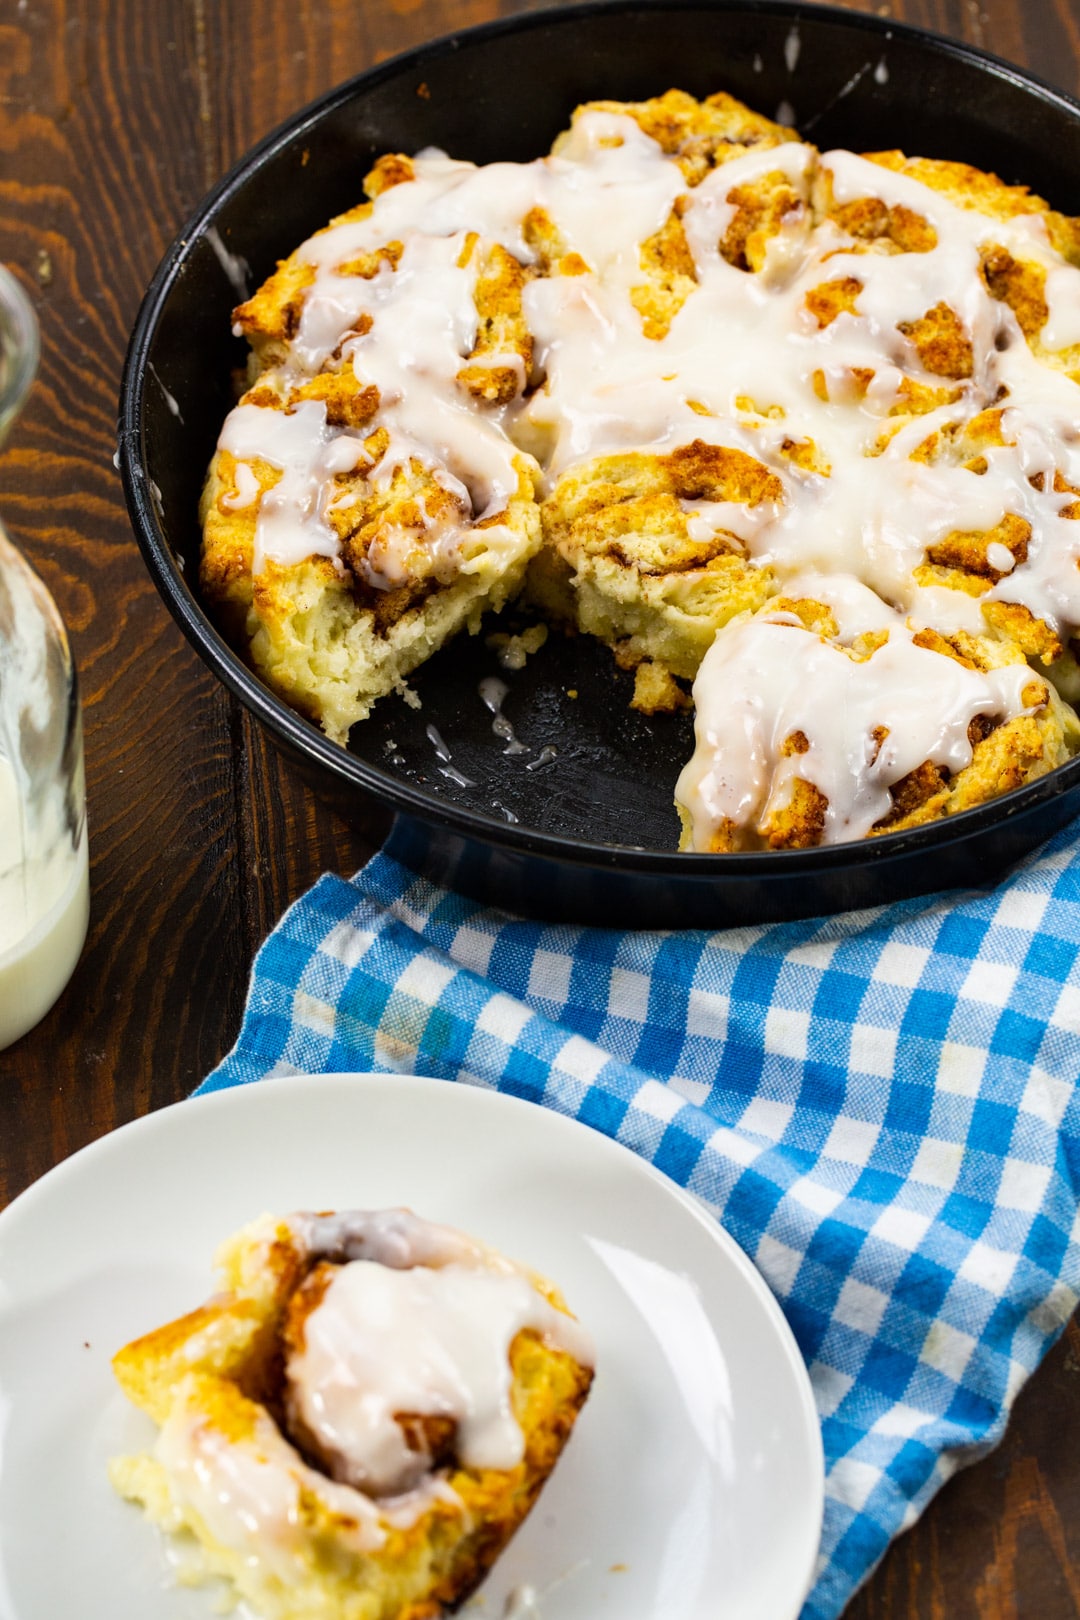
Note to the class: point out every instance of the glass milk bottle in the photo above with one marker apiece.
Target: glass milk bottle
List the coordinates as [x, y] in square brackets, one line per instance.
[44, 888]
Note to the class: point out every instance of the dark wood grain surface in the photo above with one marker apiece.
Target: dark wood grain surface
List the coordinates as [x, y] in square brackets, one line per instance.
[114, 118]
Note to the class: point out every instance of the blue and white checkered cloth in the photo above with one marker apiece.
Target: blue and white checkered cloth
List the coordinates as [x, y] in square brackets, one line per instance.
[881, 1108]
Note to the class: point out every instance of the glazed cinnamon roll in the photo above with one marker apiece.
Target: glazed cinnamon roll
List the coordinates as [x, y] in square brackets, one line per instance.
[357, 1425]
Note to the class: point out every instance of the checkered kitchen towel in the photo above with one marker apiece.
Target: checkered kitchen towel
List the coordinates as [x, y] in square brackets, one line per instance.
[881, 1107]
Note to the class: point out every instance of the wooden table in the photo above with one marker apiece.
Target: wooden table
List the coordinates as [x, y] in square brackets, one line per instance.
[113, 121]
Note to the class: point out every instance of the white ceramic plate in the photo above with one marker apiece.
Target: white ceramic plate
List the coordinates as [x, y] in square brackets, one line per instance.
[692, 1487]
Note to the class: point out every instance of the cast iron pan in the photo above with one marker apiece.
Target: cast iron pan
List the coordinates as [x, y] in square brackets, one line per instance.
[582, 826]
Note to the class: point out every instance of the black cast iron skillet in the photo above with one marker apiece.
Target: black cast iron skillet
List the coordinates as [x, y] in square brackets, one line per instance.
[582, 826]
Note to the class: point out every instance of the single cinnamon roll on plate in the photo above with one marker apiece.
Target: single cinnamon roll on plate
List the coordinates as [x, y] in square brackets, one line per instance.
[355, 1427]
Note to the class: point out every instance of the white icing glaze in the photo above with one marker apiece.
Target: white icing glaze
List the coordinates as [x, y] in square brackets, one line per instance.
[768, 677]
[1062, 328]
[426, 1340]
[307, 453]
[235, 266]
[247, 1492]
[392, 1237]
[247, 489]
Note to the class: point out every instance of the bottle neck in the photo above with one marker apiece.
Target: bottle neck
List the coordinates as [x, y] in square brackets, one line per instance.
[18, 349]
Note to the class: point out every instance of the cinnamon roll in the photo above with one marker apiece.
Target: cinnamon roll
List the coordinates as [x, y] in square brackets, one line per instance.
[355, 1427]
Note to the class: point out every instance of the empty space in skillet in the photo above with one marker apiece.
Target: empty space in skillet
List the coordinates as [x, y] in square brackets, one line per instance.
[595, 771]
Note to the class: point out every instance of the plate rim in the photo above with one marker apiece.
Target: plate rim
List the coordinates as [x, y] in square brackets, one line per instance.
[157, 1124]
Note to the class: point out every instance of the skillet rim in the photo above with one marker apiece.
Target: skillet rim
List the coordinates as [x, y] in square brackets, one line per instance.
[298, 736]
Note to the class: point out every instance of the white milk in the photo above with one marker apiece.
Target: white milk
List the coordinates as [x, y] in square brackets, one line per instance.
[44, 909]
